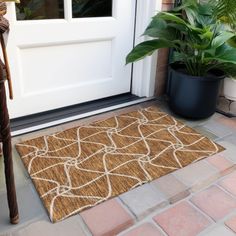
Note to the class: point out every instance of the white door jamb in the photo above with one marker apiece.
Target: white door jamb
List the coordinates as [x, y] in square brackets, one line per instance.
[144, 71]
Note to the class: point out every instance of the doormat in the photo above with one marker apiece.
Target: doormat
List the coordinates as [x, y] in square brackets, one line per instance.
[81, 167]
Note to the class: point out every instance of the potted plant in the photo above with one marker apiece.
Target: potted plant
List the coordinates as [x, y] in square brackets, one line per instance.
[201, 54]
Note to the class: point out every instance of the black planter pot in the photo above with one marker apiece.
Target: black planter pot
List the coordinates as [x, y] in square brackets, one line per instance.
[192, 96]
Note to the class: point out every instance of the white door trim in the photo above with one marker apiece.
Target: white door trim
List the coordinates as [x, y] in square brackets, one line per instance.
[144, 71]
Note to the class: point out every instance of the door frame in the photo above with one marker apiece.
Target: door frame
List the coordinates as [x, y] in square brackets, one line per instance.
[144, 71]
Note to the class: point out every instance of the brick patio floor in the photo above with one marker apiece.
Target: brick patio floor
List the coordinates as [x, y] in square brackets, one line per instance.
[199, 199]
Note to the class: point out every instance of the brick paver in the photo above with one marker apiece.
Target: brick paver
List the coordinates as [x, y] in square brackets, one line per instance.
[231, 139]
[230, 151]
[182, 220]
[219, 230]
[221, 163]
[108, 218]
[214, 202]
[229, 183]
[173, 189]
[217, 128]
[231, 123]
[146, 229]
[143, 200]
[197, 175]
[231, 223]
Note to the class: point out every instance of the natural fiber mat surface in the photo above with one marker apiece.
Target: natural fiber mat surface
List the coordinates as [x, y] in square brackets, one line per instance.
[83, 166]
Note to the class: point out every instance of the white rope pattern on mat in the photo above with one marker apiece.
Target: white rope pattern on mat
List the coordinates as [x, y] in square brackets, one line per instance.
[142, 159]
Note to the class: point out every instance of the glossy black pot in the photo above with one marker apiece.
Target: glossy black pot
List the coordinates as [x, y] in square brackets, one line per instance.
[192, 96]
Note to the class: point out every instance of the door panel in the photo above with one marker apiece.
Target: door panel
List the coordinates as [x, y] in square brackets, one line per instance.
[80, 57]
[61, 62]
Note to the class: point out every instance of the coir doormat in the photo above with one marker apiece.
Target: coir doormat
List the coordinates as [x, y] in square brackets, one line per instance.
[83, 166]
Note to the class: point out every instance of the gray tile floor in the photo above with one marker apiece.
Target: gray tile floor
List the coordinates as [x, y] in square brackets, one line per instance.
[30, 207]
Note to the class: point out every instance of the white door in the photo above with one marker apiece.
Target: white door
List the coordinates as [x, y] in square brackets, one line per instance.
[66, 52]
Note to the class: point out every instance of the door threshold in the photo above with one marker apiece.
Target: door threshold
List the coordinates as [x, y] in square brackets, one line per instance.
[44, 120]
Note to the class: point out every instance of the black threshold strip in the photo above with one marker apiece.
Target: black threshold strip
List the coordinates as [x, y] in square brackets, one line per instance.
[66, 112]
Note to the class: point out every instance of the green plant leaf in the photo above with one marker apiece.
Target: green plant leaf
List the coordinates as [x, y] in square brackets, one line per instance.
[178, 27]
[147, 48]
[205, 9]
[171, 17]
[225, 10]
[221, 39]
[186, 4]
[229, 68]
[211, 51]
[224, 54]
[204, 21]
[168, 34]
[232, 42]
[157, 28]
[156, 23]
[191, 14]
[178, 57]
